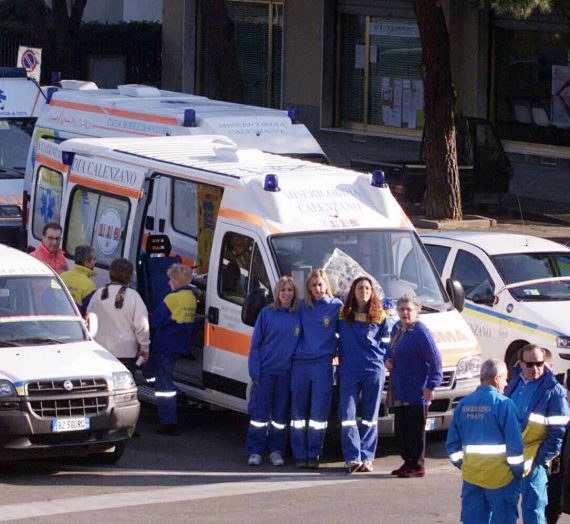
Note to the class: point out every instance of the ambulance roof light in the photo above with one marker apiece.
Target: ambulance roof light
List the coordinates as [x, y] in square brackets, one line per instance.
[189, 118]
[271, 183]
[293, 114]
[67, 157]
[50, 92]
[378, 179]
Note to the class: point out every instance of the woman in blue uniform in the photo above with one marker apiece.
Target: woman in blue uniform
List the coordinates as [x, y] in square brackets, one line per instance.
[274, 341]
[364, 340]
[312, 372]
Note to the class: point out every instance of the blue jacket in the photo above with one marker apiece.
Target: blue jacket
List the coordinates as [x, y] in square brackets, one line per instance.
[319, 325]
[275, 338]
[173, 322]
[485, 440]
[417, 363]
[362, 346]
[543, 419]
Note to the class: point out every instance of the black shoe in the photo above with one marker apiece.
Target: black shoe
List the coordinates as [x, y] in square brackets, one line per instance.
[313, 463]
[171, 430]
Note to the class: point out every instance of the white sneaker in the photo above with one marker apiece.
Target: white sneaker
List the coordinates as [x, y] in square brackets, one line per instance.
[254, 460]
[276, 458]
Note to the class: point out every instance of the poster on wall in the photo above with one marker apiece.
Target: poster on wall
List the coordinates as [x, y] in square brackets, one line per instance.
[560, 101]
[402, 102]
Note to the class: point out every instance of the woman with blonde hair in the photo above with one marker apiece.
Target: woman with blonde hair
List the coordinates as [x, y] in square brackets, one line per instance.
[273, 343]
[312, 371]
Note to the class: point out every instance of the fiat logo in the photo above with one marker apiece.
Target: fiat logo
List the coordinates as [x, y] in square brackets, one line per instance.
[68, 385]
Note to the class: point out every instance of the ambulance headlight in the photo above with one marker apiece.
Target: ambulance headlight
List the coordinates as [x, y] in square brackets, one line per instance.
[7, 389]
[123, 380]
[468, 367]
[563, 342]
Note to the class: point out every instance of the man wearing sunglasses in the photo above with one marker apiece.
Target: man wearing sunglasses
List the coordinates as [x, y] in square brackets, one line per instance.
[543, 413]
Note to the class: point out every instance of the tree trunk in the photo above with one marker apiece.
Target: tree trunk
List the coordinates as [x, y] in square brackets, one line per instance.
[443, 196]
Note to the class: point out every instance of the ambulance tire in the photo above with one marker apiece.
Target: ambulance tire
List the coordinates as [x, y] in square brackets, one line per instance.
[511, 355]
[110, 457]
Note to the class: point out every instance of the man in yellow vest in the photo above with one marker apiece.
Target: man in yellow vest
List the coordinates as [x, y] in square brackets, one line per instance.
[78, 278]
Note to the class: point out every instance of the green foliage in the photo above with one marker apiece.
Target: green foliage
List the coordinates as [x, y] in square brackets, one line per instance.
[518, 8]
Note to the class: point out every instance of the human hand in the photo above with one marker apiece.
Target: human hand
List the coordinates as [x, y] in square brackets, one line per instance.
[389, 364]
[428, 395]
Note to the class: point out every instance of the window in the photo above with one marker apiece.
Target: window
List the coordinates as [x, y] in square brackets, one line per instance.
[439, 255]
[473, 275]
[184, 207]
[97, 220]
[47, 200]
[380, 80]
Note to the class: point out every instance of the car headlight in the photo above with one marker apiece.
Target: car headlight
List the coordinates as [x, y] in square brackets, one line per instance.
[563, 342]
[7, 389]
[123, 380]
[468, 367]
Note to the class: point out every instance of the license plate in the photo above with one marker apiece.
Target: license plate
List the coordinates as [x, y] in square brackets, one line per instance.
[69, 424]
[430, 424]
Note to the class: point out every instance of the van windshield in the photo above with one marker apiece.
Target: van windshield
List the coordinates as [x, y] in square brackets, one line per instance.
[35, 311]
[521, 267]
[15, 137]
[396, 259]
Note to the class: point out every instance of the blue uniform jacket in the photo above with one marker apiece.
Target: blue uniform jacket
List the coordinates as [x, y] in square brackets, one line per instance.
[319, 325]
[544, 421]
[417, 364]
[275, 338]
[173, 322]
[485, 439]
[362, 346]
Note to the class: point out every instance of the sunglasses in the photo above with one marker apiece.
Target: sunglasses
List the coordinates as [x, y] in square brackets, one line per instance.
[533, 364]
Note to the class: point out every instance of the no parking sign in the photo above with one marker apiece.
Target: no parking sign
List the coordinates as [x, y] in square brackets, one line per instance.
[30, 58]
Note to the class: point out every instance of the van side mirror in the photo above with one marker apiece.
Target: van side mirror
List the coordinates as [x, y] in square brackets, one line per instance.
[253, 304]
[456, 293]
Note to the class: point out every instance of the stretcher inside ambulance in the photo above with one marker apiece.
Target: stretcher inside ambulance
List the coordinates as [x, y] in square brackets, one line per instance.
[244, 218]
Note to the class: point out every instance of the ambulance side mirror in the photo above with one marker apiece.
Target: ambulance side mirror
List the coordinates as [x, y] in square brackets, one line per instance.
[456, 293]
[253, 304]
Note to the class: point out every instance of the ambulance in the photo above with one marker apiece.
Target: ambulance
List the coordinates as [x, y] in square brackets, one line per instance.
[198, 199]
[79, 109]
[21, 100]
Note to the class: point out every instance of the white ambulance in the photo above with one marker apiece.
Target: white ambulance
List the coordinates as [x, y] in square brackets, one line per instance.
[197, 198]
[79, 109]
[61, 393]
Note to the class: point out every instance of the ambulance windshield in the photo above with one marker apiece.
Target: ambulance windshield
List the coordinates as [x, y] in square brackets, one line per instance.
[15, 137]
[396, 259]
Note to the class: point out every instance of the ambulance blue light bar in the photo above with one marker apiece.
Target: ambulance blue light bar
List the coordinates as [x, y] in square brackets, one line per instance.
[378, 179]
[67, 157]
[189, 118]
[50, 92]
[271, 183]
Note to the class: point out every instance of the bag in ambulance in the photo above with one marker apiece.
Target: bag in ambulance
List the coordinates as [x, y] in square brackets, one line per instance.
[195, 198]
[80, 109]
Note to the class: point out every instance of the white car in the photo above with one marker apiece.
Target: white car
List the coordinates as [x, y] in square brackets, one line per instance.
[517, 290]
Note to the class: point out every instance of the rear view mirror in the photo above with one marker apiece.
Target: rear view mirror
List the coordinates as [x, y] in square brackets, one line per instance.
[253, 304]
[456, 293]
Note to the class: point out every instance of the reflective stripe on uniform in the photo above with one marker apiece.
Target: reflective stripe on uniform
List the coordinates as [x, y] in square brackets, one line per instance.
[165, 394]
[486, 449]
[346, 423]
[276, 425]
[298, 424]
[369, 423]
[537, 419]
[256, 424]
[456, 456]
[558, 420]
[315, 424]
[528, 465]
[519, 459]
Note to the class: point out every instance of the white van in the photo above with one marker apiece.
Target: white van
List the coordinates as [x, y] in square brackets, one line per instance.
[60, 392]
[517, 290]
[194, 198]
[80, 109]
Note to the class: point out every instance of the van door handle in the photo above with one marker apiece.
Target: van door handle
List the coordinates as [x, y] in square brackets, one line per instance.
[213, 315]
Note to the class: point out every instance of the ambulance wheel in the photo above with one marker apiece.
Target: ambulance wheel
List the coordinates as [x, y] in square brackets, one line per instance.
[109, 457]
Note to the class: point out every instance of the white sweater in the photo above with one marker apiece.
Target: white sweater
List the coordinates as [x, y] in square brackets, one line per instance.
[121, 331]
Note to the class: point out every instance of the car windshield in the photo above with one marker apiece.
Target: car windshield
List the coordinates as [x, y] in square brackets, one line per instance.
[521, 267]
[396, 259]
[35, 311]
[15, 137]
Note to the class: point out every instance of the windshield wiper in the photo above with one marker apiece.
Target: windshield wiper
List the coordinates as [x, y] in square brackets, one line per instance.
[429, 309]
[37, 340]
[8, 344]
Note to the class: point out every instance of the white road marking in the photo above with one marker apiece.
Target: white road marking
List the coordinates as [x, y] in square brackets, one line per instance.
[159, 496]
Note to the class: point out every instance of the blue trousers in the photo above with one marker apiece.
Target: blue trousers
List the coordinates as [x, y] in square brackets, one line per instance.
[268, 410]
[161, 366]
[490, 506]
[534, 496]
[359, 443]
[311, 395]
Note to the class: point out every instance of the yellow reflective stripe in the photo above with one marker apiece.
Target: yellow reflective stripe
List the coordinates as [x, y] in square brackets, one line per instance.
[486, 449]
[346, 423]
[298, 424]
[537, 418]
[315, 424]
[558, 420]
[456, 456]
[519, 459]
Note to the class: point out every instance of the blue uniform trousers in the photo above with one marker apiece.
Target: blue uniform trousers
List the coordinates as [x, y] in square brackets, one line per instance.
[490, 506]
[268, 410]
[534, 496]
[359, 443]
[161, 366]
[311, 395]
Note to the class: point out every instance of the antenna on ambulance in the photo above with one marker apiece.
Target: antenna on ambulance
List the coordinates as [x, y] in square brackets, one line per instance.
[522, 221]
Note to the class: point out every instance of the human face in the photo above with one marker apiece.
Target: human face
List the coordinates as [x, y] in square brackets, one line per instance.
[362, 293]
[408, 313]
[501, 383]
[536, 357]
[286, 295]
[317, 288]
[91, 262]
[52, 239]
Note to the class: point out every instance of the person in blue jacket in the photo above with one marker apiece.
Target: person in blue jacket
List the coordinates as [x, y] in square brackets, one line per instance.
[543, 413]
[173, 323]
[312, 371]
[275, 338]
[485, 443]
[363, 341]
[415, 372]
